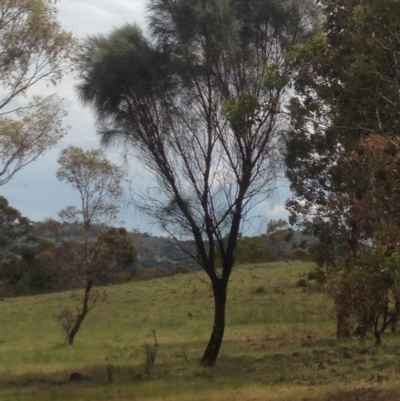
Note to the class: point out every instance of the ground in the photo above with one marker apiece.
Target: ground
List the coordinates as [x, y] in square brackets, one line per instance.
[279, 345]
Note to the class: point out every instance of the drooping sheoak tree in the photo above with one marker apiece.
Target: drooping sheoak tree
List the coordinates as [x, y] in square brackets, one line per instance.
[199, 103]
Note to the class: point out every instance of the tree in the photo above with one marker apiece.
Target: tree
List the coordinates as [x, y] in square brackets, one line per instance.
[37, 276]
[347, 88]
[13, 227]
[279, 235]
[199, 103]
[33, 48]
[21, 270]
[99, 184]
[253, 250]
[373, 165]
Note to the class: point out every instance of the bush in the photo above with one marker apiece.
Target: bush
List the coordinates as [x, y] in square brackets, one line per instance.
[182, 269]
[303, 282]
[66, 320]
[150, 274]
[299, 254]
[259, 290]
[121, 278]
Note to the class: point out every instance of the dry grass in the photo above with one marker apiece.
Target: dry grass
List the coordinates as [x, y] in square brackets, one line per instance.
[279, 345]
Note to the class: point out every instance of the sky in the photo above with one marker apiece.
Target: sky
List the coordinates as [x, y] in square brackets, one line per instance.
[35, 191]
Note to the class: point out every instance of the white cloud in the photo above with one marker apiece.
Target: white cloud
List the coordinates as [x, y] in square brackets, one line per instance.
[35, 191]
[89, 17]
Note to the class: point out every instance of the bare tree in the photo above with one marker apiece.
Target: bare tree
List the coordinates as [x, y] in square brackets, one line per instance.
[200, 105]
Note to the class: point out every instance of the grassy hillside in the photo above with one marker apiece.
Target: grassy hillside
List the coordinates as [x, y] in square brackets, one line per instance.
[279, 345]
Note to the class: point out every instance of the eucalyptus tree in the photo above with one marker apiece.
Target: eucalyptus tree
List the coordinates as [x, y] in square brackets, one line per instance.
[99, 183]
[348, 88]
[34, 49]
[200, 103]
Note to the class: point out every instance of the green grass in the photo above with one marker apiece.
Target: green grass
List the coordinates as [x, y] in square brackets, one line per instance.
[268, 319]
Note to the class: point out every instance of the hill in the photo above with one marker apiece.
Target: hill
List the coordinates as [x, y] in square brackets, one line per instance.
[279, 345]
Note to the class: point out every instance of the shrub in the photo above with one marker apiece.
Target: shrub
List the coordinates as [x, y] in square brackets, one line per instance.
[66, 320]
[121, 278]
[182, 269]
[150, 274]
[303, 282]
[298, 254]
[259, 290]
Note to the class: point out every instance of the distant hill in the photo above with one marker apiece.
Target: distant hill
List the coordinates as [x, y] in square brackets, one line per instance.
[163, 252]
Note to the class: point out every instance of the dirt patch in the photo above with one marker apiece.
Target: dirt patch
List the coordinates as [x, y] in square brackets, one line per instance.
[364, 394]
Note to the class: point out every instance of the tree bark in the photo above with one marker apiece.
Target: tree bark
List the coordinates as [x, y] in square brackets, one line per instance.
[378, 338]
[211, 353]
[365, 325]
[343, 323]
[395, 317]
[361, 331]
[81, 316]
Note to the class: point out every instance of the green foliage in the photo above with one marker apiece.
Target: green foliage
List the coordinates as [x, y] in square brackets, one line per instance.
[299, 254]
[282, 239]
[343, 140]
[33, 48]
[242, 111]
[115, 243]
[253, 250]
[346, 90]
[98, 182]
[273, 78]
[368, 284]
[279, 230]
[13, 225]
[150, 274]
[20, 273]
[122, 278]
[302, 282]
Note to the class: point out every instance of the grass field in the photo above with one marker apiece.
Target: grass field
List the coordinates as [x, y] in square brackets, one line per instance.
[279, 345]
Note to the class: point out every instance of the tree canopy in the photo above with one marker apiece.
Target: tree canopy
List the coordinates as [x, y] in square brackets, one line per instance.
[344, 116]
[33, 48]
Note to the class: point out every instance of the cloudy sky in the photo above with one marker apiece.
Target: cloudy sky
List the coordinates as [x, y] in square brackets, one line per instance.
[35, 191]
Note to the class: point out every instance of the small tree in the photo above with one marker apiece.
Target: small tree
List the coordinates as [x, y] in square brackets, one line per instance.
[99, 184]
[253, 250]
[354, 275]
[371, 284]
[33, 48]
[279, 235]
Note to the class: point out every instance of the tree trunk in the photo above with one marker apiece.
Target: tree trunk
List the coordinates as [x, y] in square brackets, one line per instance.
[81, 316]
[365, 325]
[343, 323]
[211, 353]
[395, 317]
[378, 339]
[361, 331]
